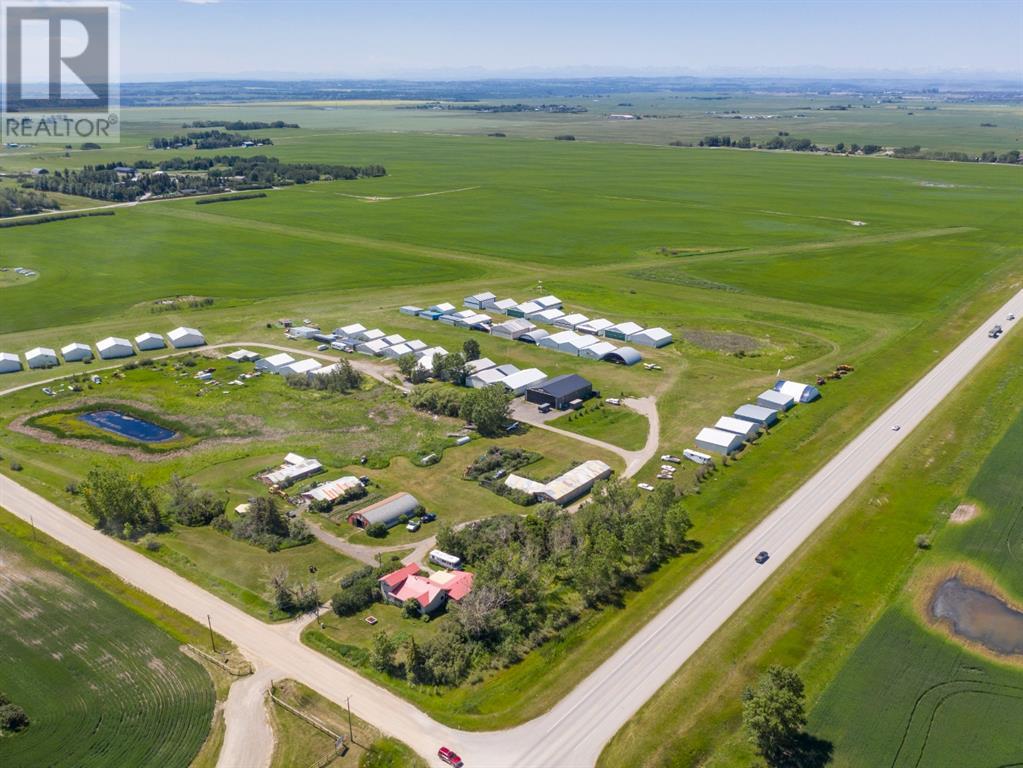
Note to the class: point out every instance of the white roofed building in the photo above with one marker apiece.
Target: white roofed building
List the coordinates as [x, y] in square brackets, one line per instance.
[183, 337]
[243, 356]
[597, 351]
[525, 309]
[374, 347]
[335, 490]
[549, 302]
[475, 366]
[147, 341]
[651, 337]
[777, 401]
[350, 331]
[293, 469]
[76, 352]
[547, 316]
[479, 300]
[41, 357]
[274, 363]
[394, 338]
[718, 441]
[416, 345]
[570, 321]
[565, 488]
[622, 331]
[9, 362]
[113, 347]
[800, 393]
[370, 335]
[748, 430]
[502, 305]
[512, 329]
[519, 382]
[596, 326]
[397, 351]
[534, 336]
[485, 378]
[301, 367]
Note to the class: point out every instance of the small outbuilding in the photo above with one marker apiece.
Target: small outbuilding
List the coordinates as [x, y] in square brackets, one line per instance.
[76, 352]
[486, 378]
[243, 356]
[397, 351]
[374, 347]
[801, 393]
[747, 430]
[408, 309]
[525, 309]
[9, 362]
[718, 441]
[518, 382]
[623, 356]
[387, 512]
[775, 400]
[41, 357]
[479, 300]
[596, 326]
[765, 417]
[576, 482]
[113, 347]
[148, 341]
[335, 490]
[569, 322]
[512, 329]
[301, 367]
[622, 331]
[502, 305]
[546, 316]
[651, 337]
[560, 391]
[274, 363]
[183, 337]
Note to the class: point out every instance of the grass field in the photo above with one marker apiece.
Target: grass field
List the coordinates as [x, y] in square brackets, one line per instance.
[102, 685]
[617, 425]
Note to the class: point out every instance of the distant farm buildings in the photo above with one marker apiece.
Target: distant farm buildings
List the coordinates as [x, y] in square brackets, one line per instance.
[293, 469]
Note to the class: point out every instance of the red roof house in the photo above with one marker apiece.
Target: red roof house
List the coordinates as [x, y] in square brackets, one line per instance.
[430, 592]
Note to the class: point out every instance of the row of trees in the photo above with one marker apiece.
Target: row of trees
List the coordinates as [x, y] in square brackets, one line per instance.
[264, 525]
[342, 379]
[206, 140]
[239, 125]
[18, 202]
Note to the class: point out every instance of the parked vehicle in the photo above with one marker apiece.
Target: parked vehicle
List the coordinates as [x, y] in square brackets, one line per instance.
[413, 526]
[322, 347]
[428, 517]
[48, 391]
[450, 757]
[672, 459]
[613, 401]
[762, 557]
[645, 486]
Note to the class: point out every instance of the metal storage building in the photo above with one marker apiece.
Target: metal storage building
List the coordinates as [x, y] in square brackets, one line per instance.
[301, 367]
[486, 378]
[651, 337]
[416, 345]
[333, 490]
[394, 338]
[549, 302]
[475, 366]
[479, 300]
[512, 329]
[371, 335]
[397, 351]
[274, 363]
[502, 305]
[75, 352]
[560, 391]
[570, 321]
[775, 400]
[41, 357]
[624, 356]
[559, 342]
[147, 341]
[576, 482]
[519, 382]
[183, 337]
[757, 414]
[450, 318]
[524, 309]
[718, 441]
[622, 331]
[747, 430]
[9, 362]
[801, 393]
[478, 322]
[408, 309]
[386, 512]
[350, 331]
[596, 326]
[547, 316]
[113, 347]
[375, 347]
[579, 343]
[534, 336]
[597, 351]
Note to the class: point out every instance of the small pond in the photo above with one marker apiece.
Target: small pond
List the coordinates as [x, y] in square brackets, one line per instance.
[979, 616]
[128, 426]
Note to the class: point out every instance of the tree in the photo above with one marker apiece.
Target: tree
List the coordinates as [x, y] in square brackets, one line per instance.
[773, 714]
[410, 608]
[12, 717]
[122, 506]
[415, 662]
[381, 654]
[407, 365]
[191, 505]
[471, 349]
[488, 409]
[263, 524]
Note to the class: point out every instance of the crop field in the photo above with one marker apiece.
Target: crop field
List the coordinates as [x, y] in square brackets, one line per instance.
[757, 262]
[101, 685]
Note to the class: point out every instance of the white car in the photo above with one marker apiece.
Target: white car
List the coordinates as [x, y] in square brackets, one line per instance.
[896, 428]
[672, 459]
[413, 526]
[323, 348]
[645, 486]
[1011, 316]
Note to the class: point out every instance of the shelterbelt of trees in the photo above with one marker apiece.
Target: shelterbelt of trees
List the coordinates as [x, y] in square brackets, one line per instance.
[207, 140]
[239, 125]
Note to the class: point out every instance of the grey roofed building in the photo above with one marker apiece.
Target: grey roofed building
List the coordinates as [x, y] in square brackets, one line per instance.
[9, 362]
[408, 309]
[502, 305]
[524, 309]
[486, 378]
[507, 369]
[622, 331]
[113, 347]
[479, 300]
[560, 391]
[397, 351]
[481, 364]
[776, 400]
[350, 331]
[651, 337]
[477, 322]
[549, 302]
[748, 430]
[75, 352]
[450, 318]
[371, 335]
[387, 512]
[757, 414]
[624, 356]
[512, 329]
[183, 337]
[547, 316]
[416, 345]
[444, 307]
[145, 341]
[574, 483]
[597, 351]
[718, 441]
[375, 347]
[517, 383]
[571, 321]
[534, 336]
[393, 338]
[596, 326]
[41, 357]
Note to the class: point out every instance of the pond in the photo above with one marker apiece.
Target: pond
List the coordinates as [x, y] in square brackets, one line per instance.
[979, 616]
[128, 426]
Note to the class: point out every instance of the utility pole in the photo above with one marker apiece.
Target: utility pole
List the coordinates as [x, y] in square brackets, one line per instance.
[348, 702]
[213, 642]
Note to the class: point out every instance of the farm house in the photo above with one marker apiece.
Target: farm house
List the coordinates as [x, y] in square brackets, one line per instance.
[147, 341]
[622, 331]
[512, 329]
[182, 337]
[560, 391]
[747, 430]
[757, 414]
[775, 400]
[113, 347]
[41, 357]
[718, 441]
[76, 352]
[9, 362]
[623, 356]
[387, 512]
[651, 337]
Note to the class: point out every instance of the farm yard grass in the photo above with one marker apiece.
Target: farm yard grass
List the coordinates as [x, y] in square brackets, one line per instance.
[750, 245]
[102, 686]
[618, 425]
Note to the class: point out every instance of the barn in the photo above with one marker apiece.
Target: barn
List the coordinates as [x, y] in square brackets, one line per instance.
[718, 441]
[387, 512]
[113, 347]
[182, 337]
[147, 341]
[560, 391]
[41, 357]
[9, 362]
[76, 352]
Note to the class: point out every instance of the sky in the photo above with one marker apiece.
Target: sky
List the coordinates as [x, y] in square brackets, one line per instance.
[170, 39]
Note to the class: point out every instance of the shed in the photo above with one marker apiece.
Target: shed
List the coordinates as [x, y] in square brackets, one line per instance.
[747, 430]
[147, 341]
[334, 490]
[775, 400]
[397, 351]
[486, 378]
[549, 302]
[183, 337]
[274, 363]
[525, 309]
[801, 393]
[651, 337]
[622, 331]
[596, 326]
[41, 357]
[387, 512]
[113, 347]
[570, 321]
[547, 316]
[479, 300]
[766, 417]
[243, 356]
[597, 351]
[293, 469]
[75, 352]
[718, 441]
[534, 336]
[624, 356]
[303, 332]
[475, 366]
[301, 367]
[9, 362]
[519, 382]
[476, 322]
[579, 343]
[450, 318]
[560, 391]
[559, 341]
[416, 345]
[576, 482]
[507, 369]
[350, 331]
[408, 309]
[370, 335]
[375, 347]
[393, 338]
[443, 308]
[512, 329]
[502, 305]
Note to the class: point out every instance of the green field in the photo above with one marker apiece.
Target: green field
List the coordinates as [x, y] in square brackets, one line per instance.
[617, 425]
[101, 685]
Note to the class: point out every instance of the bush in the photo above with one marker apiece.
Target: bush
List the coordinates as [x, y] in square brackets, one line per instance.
[923, 541]
[16, 467]
[12, 717]
[377, 530]
[410, 608]
[151, 543]
[356, 597]
[221, 523]
[191, 505]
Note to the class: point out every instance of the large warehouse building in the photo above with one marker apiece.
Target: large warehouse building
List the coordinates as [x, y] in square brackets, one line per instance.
[76, 352]
[560, 391]
[387, 512]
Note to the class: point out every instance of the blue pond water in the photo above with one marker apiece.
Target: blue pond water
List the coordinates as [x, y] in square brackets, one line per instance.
[128, 426]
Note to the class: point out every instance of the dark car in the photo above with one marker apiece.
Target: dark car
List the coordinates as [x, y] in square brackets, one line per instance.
[427, 517]
[761, 558]
[450, 757]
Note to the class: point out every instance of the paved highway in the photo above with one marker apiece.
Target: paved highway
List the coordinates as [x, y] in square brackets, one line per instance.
[574, 732]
